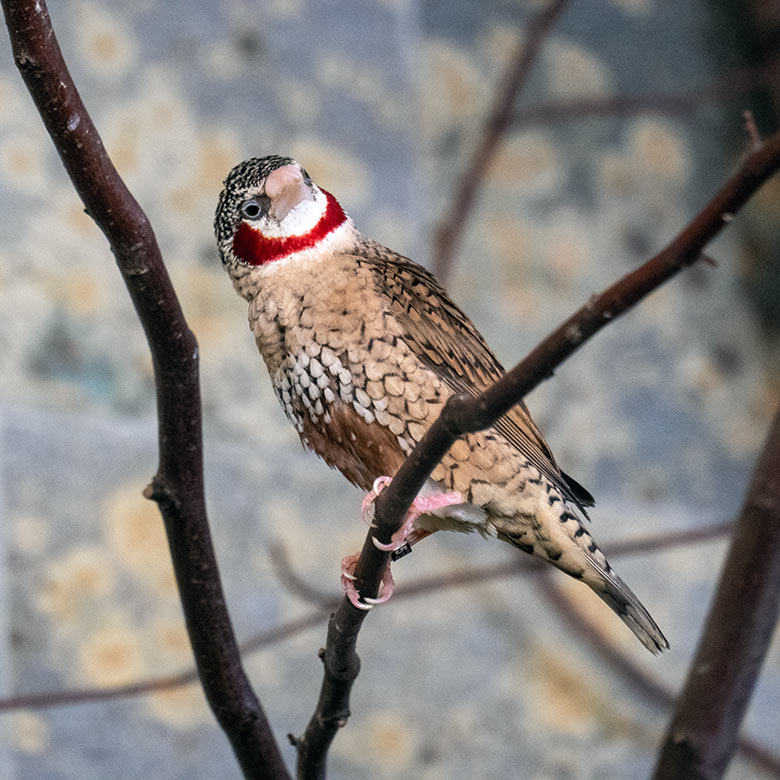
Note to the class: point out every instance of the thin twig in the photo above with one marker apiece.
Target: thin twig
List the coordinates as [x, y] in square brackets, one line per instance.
[651, 689]
[518, 565]
[326, 603]
[740, 82]
[744, 614]
[178, 485]
[294, 583]
[447, 234]
[151, 685]
[465, 414]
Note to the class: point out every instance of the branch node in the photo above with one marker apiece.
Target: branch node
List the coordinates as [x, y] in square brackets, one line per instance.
[574, 333]
[459, 413]
[25, 62]
[162, 494]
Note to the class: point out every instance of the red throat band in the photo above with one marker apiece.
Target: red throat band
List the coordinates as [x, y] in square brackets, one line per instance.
[254, 248]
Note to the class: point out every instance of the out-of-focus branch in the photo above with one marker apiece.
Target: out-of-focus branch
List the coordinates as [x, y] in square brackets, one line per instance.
[518, 565]
[73, 696]
[178, 485]
[648, 686]
[465, 414]
[447, 235]
[448, 232]
[703, 731]
[327, 602]
[740, 82]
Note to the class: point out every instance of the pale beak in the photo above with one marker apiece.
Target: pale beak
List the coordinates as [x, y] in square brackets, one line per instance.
[286, 189]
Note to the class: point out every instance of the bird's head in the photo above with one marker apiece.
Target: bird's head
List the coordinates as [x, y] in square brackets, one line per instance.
[270, 210]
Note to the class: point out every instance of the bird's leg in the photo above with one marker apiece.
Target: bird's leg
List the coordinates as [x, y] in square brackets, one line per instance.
[405, 535]
[420, 506]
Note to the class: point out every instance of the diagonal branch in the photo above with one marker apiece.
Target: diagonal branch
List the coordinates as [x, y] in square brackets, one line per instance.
[499, 120]
[178, 485]
[703, 732]
[464, 414]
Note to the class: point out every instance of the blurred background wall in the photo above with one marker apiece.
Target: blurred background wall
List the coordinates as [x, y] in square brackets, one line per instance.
[661, 416]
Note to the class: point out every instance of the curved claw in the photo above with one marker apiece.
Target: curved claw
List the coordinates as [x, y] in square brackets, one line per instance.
[380, 483]
[373, 602]
[389, 547]
[358, 604]
[386, 589]
[352, 594]
[348, 578]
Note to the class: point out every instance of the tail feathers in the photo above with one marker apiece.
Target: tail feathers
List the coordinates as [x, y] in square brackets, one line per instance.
[618, 596]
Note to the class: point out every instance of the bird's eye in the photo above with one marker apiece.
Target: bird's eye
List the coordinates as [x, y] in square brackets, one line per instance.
[252, 209]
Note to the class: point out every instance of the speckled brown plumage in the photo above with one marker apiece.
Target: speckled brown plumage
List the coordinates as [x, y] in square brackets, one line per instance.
[364, 347]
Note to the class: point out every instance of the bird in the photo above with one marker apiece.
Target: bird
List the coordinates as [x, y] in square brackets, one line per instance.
[364, 347]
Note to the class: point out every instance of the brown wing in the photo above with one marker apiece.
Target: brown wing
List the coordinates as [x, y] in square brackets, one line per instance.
[448, 341]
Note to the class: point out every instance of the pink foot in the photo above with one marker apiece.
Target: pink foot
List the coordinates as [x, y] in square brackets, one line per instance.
[420, 506]
[386, 589]
[406, 535]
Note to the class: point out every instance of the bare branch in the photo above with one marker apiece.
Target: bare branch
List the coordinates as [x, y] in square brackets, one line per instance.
[178, 485]
[291, 580]
[703, 732]
[739, 82]
[651, 689]
[73, 696]
[449, 231]
[328, 602]
[464, 414]
[294, 583]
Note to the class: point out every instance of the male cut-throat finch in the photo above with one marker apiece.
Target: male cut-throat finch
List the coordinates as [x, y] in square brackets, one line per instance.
[364, 348]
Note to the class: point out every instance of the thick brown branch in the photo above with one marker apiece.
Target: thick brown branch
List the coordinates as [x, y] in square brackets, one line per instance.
[704, 729]
[178, 485]
[449, 231]
[464, 414]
